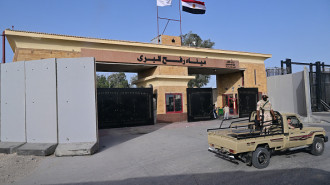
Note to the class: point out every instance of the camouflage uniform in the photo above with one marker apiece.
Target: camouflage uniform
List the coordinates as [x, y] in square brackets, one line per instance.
[266, 107]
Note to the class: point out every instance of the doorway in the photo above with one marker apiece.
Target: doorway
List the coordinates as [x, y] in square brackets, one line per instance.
[231, 101]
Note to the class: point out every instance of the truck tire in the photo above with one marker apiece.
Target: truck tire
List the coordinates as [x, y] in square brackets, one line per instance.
[260, 158]
[317, 147]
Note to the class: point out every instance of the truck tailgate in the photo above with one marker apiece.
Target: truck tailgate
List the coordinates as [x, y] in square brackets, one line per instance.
[222, 140]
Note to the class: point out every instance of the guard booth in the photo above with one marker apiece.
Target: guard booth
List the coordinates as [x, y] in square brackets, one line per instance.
[200, 104]
[248, 98]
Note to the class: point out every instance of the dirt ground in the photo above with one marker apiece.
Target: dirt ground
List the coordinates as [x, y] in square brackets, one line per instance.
[13, 166]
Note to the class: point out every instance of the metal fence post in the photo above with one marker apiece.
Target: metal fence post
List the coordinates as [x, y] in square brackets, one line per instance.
[288, 66]
[318, 85]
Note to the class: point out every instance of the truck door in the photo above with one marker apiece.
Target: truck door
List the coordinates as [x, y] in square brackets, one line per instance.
[296, 136]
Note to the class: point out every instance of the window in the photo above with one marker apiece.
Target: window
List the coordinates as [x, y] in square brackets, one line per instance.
[294, 121]
[173, 103]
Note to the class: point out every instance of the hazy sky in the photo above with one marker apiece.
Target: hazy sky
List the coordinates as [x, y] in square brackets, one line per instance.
[296, 29]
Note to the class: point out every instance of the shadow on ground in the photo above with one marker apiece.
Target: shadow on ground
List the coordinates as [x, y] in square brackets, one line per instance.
[112, 137]
[301, 176]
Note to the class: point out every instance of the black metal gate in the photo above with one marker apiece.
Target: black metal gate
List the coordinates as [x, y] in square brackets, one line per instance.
[319, 83]
[320, 88]
[247, 101]
[124, 107]
[199, 103]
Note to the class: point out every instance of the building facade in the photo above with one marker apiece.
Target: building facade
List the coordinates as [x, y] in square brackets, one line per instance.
[167, 67]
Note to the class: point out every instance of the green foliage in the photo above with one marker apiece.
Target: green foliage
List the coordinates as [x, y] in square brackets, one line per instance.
[118, 80]
[115, 80]
[133, 78]
[102, 81]
[194, 40]
[199, 81]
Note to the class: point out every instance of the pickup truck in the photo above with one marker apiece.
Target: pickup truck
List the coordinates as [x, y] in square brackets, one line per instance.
[248, 142]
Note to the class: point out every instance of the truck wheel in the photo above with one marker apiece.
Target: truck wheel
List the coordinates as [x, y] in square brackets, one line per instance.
[317, 146]
[260, 158]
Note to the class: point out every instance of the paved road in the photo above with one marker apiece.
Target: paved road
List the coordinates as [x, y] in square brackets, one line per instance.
[174, 154]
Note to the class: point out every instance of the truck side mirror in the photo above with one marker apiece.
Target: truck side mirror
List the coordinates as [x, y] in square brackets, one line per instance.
[301, 126]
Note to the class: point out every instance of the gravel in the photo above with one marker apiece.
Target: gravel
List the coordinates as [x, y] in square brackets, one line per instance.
[13, 166]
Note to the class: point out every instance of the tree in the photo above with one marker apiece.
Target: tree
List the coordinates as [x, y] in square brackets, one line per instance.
[133, 78]
[102, 81]
[194, 40]
[118, 80]
[115, 80]
[199, 81]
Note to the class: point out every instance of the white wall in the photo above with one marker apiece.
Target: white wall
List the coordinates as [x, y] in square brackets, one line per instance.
[287, 93]
[49, 101]
[12, 102]
[41, 108]
[299, 93]
[77, 120]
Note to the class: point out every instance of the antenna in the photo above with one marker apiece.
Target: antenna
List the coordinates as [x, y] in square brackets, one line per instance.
[168, 21]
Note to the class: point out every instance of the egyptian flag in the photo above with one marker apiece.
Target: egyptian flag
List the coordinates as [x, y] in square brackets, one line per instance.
[194, 7]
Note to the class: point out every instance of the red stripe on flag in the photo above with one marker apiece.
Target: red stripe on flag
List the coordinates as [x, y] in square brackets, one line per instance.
[193, 1]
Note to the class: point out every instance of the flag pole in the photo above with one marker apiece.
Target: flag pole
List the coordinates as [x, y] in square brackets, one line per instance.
[157, 26]
[180, 20]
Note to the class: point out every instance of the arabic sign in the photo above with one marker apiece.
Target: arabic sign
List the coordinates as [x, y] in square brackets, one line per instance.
[165, 60]
[158, 59]
[230, 64]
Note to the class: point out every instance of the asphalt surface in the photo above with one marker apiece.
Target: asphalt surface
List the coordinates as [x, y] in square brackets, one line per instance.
[175, 154]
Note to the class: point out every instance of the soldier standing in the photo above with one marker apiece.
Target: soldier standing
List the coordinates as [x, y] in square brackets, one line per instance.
[265, 113]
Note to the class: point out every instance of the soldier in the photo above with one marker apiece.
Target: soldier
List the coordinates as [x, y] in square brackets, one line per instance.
[265, 113]
[290, 124]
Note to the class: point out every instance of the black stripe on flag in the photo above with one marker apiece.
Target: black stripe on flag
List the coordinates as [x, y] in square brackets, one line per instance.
[192, 10]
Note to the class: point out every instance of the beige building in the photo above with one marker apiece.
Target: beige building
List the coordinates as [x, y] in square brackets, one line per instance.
[166, 66]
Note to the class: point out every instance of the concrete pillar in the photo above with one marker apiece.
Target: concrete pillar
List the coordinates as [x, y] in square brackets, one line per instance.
[167, 79]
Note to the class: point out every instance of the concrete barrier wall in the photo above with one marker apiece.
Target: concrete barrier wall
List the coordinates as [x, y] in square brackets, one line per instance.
[299, 98]
[77, 121]
[13, 102]
[46, 102]
[41, 108]
[287, 93]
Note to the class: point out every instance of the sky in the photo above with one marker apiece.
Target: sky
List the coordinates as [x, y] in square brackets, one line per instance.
[295, 29]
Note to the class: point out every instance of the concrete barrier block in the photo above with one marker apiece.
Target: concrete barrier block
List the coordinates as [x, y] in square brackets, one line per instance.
[10, 147]
[76, 149]
[38, 149]
[41, 110]
[77, 119]
[13, 102]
